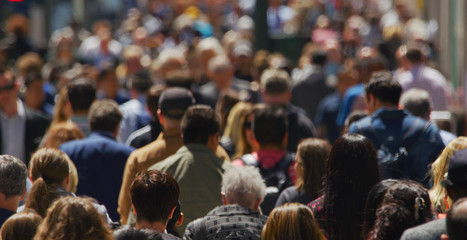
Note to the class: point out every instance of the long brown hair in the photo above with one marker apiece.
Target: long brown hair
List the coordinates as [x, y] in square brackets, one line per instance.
[73, 218]
[21, 226]
[312, 154]
[48, 169]
[291, 221]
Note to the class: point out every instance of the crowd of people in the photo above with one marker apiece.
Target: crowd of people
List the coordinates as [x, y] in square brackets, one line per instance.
[179, 124]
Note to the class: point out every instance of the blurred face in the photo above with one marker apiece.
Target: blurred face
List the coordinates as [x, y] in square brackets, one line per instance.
[8, 91]
[298, 168]
[35, 95]
[221, 77]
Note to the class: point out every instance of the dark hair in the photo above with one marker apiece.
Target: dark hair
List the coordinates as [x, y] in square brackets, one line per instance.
[154, 195]
[384, 88]
[131, 233]
[456, 220]
[351, 171]
[49, 167]
[414, 53]
[179, 78]
[32, 77]
[373, 202]
[152, 98]
[104, 115]
[5, 69]
[81, 93]
[141, 81]
[406, 204]
[354, 116]
[227, 99]
[13, 174]
[312, 154]
[175, 217]
[21, 226]
[270, 125]
[198, 124]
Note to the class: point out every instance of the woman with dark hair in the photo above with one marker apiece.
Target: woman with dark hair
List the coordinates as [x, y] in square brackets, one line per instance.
[291, 221]
[351, 171]
[406, 204]
[310, 162]
[373, 202]
[50, 171]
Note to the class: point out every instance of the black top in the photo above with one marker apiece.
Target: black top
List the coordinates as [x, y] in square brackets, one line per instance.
[292, 195]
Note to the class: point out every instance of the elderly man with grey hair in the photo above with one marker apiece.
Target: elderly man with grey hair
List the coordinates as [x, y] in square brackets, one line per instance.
[243, 189]
[418, 102]
[13, 174]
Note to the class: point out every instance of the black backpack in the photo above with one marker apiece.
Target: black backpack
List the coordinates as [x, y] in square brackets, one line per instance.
[277, 178]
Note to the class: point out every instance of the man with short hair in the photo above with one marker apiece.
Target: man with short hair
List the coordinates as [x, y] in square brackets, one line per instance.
[242, 191]
[99, 158]
[81, 94]
[195, 166]
[418, 102]
[13, 174]
[276, 92]
[135, 115]
[154, 195]
[456, 187]
[396, 133]
[456, 221]
[21, 128]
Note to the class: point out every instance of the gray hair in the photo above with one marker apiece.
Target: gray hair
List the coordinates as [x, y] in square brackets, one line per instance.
[243, 185]
[219, 62]
[417, 101]
[13, 174]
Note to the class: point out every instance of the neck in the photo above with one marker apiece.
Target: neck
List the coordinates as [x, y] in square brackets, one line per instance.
[11, 203]
[78, 113]
[158, 226]
[11, 110]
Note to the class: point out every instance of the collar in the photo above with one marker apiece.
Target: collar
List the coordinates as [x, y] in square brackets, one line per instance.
[105, 134]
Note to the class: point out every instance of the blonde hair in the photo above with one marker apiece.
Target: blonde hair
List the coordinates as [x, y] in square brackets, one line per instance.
[234, 127]
[291, 221]
[73, 218]
[437, 172]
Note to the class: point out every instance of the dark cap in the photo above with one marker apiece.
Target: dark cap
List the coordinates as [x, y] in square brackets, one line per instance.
[174, 101]
[457, 170]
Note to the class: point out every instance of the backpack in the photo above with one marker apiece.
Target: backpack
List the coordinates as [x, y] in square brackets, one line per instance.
[393, 154]
[276, 179]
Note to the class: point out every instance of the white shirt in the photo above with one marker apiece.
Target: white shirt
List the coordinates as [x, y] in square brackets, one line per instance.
[13, 132]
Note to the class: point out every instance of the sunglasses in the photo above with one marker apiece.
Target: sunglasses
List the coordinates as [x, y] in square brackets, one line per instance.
[7, 87]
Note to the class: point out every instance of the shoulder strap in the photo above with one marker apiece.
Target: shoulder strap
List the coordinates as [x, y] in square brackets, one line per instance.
[285, 161]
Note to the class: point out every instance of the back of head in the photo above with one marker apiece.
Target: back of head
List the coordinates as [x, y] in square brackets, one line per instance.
[152, 98]
[198, 124]
[21, 226]
[384, 88]
[417, 101]
[60, 133]
[73, 218]
[291, 221]
[154, 195]
[13, 174]
[81, 93]
[141, 82]
[275, 81]
[270, 126]
[415, 53]
[48, 168]
[351, 171]
[104, 115]
[456, 220]
[243, 186]
[312, 154]
[179, 78]
[406, 204]
[174, 102]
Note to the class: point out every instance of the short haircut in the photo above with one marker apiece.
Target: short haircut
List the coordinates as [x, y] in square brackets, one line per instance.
[270, 125]
[414, 54]
[81, 93]
[456, 220]
[13, 174]
[141, 81]
[384, 87]
[179, 78]
[243, 186]
[416, 101]
[154, 195]
[275, 81]
[218, 63]
[198, 124]
[152, 98]
[104, 115]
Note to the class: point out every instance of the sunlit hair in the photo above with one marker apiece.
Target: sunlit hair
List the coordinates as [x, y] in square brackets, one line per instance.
[61, 133]
[48, 169]
[73, 218]
[234, 127]
[21, 226]
[312, 154]
[243, 185]
[439, 169]
[291, 221]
